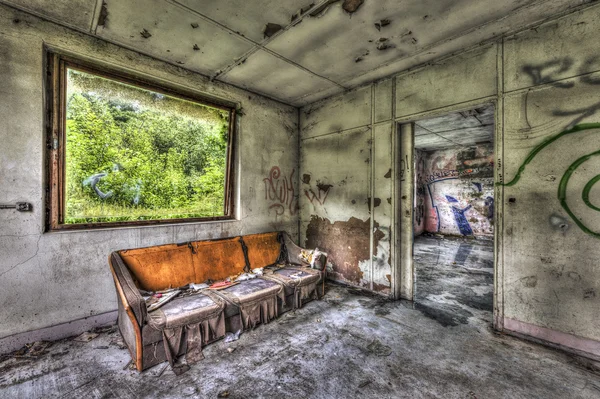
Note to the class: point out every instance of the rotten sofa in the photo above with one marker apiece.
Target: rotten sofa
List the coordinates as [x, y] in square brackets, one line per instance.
[291, 276]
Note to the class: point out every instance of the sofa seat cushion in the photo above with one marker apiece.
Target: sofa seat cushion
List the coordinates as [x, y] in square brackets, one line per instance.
[184, 311]
[256, 299]
[298, 276]
[299, 282]
[252, 290]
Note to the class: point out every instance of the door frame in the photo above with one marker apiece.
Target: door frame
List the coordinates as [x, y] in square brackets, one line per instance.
[403, 266]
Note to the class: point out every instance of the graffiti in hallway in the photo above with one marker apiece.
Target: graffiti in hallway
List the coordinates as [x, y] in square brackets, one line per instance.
[456, 187]
[564, 181]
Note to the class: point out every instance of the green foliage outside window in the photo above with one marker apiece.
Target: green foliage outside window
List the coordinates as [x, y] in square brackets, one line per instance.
[134, 154]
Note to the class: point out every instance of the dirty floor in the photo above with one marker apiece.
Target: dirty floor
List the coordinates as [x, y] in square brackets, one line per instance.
[345, 346]
[454, 278]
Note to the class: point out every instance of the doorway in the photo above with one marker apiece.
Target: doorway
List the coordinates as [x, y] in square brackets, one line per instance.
[453, 215]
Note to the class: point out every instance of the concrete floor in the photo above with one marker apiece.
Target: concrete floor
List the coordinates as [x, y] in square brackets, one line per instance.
[454, 278]
[346, 345]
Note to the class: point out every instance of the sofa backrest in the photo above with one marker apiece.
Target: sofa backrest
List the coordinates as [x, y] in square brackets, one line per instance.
[175, 265]
[218, 259]
[160, 267]
[263, 249]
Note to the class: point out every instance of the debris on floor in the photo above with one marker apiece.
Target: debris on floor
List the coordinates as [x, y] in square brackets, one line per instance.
[353, 354]
[230, 337]
[32, 350]
[379, 349]
[85, 337]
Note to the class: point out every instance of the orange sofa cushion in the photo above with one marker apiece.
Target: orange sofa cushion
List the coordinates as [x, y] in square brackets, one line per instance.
[170, 266]
[161, 267]
[263, 249]
[217, 260]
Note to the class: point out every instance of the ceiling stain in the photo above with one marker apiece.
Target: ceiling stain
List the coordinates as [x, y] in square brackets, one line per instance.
[351, 6]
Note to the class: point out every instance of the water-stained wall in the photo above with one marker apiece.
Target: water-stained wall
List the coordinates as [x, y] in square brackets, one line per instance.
[455, 191]
[346, 206]
[544, 83]
[53, 278]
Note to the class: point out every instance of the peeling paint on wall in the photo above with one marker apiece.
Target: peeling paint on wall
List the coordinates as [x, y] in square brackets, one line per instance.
[346, 242]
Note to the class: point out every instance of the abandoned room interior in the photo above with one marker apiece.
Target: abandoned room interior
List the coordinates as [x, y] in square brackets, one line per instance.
[287, 199]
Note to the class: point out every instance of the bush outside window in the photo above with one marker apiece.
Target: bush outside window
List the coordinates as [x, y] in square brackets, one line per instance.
[125, 152]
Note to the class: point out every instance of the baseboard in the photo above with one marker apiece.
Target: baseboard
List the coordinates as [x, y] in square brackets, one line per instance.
[59, 331]
[568, 342]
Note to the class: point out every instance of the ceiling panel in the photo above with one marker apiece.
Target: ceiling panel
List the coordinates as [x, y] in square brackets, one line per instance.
[341, 46]
[246, 17]
[165, 30]
[429, 142]
[449, 122]
[274, 77]
[470, 136]
[464, 128]
[379, 39]
[76, 13]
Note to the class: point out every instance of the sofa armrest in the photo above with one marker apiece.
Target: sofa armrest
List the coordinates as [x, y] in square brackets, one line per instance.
[128, 292]
[293, 254]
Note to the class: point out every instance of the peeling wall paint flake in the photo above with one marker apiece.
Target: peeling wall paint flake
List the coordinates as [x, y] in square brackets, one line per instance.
[351, 6]
[145, 34]
[103, 17]
[271, 29]
[381, 23]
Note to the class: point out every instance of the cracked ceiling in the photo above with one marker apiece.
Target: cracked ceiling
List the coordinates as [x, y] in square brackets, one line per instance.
[293, 51]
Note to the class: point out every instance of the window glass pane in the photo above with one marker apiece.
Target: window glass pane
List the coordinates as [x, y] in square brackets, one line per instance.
[134, 154]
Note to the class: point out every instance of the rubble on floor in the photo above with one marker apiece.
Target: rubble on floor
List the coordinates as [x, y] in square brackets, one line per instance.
[346, 345]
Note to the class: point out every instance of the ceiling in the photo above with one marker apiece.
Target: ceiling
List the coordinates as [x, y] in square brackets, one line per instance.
[294, 51]
[463, 129]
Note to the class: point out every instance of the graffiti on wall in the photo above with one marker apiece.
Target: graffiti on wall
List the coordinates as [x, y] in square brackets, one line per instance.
[279, 190]
[550, 72]
[320, 196]
[564, 181]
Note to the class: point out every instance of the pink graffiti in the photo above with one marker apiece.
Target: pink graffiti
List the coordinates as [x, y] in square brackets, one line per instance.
[280, 191]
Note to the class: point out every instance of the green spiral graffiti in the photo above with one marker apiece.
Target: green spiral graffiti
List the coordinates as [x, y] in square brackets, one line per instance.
[562, 187]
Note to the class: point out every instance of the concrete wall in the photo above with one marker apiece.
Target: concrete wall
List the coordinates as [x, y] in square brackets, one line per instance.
[51, 278]
[543, 82]
[455, 191]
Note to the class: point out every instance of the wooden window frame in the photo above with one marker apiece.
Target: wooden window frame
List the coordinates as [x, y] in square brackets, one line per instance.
[56, 68]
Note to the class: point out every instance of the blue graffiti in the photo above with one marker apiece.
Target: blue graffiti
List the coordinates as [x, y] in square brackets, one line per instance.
[93, 181]
[489, 203]
[451, 199]
[461, 221]
[479, 186]
[433, 205]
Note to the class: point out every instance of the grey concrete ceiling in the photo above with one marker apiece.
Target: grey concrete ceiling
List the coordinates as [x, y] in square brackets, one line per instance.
[456, 129]
[312, 49]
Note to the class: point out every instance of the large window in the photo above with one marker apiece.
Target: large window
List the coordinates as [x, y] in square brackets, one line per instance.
[124, 151]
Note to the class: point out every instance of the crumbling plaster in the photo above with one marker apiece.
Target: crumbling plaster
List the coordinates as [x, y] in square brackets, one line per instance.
[52, 278]
[543, 81]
